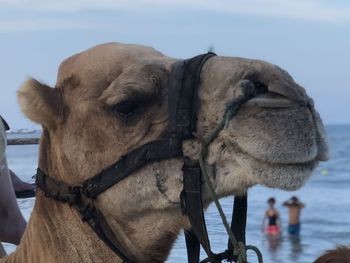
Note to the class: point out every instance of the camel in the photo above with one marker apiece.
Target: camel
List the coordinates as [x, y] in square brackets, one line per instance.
[112, 98]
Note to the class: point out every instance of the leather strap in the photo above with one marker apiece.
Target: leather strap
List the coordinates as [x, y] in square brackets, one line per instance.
[238, 222]
[148, 153]
[90, 214]
[192, 205]
[183, 96]
[96, 220]
[193, 246]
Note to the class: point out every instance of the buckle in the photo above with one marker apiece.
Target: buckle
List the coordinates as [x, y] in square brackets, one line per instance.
[87, 212]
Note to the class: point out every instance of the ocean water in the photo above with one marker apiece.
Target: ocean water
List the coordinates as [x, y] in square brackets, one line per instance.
[325, 219]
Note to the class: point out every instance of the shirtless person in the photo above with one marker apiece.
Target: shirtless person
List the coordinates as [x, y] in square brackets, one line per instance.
[294, 207]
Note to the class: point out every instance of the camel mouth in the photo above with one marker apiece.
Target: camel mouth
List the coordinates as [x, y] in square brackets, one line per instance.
[282, 144]
[284, 176]
[288, 177]
[276, 129]
[276, 174]
[272, 163]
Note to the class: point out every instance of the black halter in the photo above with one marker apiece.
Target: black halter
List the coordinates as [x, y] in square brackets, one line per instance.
[183, 99]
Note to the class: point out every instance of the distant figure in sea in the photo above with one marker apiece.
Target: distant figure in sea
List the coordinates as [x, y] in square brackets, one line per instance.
[273, 219]
[12, 222]
[294, 209]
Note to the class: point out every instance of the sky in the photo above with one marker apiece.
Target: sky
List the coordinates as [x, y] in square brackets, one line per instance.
[308, 38]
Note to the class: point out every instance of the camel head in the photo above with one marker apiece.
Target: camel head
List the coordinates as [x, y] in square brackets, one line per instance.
[113, 98]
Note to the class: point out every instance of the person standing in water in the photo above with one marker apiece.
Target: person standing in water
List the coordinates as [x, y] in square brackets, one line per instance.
[294, 208]
[12, 222]
[22, 189]
[273, 218]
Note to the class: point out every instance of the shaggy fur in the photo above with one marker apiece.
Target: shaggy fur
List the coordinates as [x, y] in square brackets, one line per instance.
[276, 141]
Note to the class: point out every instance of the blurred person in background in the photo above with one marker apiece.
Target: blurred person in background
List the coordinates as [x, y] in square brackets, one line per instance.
[294, 208]
[273, 219]
[12, 222]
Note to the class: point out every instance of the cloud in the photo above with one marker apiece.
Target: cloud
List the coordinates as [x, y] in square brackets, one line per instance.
[313, 10]
[34, 24]
[31, 15]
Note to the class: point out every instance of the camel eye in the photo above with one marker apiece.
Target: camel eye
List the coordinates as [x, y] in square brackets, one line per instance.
[125, 109]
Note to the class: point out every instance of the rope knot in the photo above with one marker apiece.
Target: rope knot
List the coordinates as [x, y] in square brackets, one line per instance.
[241, 252]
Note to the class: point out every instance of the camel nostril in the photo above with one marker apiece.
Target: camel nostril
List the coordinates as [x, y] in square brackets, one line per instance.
[249, 89]
[260, 87]
[261, 96]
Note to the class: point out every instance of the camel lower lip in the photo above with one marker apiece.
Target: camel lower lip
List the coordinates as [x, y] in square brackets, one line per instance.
[291, 164]
[273, 163]
[285, 176]
[297, 166]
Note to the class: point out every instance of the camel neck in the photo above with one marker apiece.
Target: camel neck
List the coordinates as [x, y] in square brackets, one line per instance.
[55, 233]
[59, 235]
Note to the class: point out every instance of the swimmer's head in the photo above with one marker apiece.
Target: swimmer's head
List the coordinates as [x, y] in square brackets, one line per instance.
[294, 199]
[271, 201]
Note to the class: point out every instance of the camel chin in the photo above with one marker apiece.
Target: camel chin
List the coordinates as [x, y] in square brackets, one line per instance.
[284, 176]
[236, 171]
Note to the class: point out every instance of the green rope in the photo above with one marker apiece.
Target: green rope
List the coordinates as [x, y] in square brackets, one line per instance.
[240, 249]
[257, 252]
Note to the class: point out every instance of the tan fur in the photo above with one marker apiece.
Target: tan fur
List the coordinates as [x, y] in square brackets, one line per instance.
[82, 135]
[35, 98]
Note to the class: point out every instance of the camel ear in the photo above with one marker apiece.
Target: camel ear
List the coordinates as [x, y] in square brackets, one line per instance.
[41, 103]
